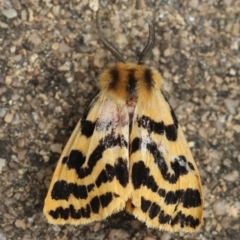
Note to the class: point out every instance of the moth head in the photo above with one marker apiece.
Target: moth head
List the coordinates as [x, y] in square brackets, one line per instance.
[125, 80]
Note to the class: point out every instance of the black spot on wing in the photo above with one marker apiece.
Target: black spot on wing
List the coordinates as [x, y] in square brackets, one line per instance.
[64, 160]
[90, 187]
[85, 212]
[150, 125]
[73, 213]
[162, 192]
[106, 175]
[105, 199]
[173, 197]
[148, 79]
[163, 218]
[145, 204]
[62, 190]
[171, 132]
[116, 195]
[154, 210]
[141, 176]
[76, 158]
[87, 128]
[121, 171]
[191, 198]
[191, 166]
[114, 78]
[135, 145]
[95, 204]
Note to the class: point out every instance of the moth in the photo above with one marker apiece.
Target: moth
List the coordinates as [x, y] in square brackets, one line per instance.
[127, 152]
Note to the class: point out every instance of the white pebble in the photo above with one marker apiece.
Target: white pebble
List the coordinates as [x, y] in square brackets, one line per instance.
[9, 13]
[219, 207]
[231, 105]
[56, 147]
[94, 5]
[232, 176]
[2, 164]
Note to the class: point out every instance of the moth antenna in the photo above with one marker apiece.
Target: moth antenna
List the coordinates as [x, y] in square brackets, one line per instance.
[107, 44]
[150, 44]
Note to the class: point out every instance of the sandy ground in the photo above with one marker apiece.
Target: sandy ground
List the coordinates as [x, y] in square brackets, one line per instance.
[50, 60]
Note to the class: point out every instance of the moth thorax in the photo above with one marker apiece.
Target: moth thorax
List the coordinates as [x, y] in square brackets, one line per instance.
[131, 104]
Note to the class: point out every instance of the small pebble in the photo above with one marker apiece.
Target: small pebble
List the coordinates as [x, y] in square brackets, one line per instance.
[20, 224]
[56, 10]
[9, 13]
[3, 25]
[168, 52]
[16, 119]
[55, 46]
[3, 112]
[63, 47]
[2, 164]
[118, 234]
[3, 235]
[193, 3]
[8, 80]
[103, 3]
[94, 5]
[231, 177]
[232, 72]
[56, 228]
[150, 238]
[219, 207]
[56, 147]
[9, 117]
[33, 57]
[236, 128]
[166, 236]
[231, 105]
[35, 39]
[97, 227]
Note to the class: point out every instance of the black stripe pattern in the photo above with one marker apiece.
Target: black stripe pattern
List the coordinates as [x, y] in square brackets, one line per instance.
[180, 165]
[158, 127]
[76, 158]
[94, 206]
[153, 210]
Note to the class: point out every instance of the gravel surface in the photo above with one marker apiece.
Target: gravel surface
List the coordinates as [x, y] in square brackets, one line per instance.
[50, 60]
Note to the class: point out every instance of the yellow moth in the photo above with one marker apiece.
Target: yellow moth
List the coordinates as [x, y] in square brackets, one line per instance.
[127, 152]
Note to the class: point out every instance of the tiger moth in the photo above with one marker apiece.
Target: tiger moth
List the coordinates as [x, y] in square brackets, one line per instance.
[127, 152]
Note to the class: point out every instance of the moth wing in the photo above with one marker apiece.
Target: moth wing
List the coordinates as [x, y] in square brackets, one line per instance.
[167, 192]
[91, 180]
